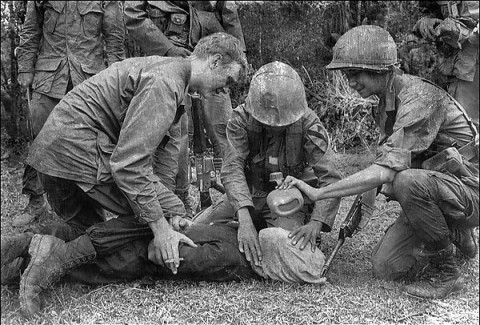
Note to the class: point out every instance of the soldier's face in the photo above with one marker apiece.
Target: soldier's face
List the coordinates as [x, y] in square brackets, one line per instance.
[366, 83]
[219, 77]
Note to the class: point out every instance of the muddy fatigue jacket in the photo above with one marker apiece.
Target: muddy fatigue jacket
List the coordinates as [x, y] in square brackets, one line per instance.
[69, 39]
[157, 26]
[254, 153]
[459, 62]
[106, 129]
[422, 121]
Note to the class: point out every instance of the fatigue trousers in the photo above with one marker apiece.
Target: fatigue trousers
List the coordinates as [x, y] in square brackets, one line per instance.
[40, 109]
[81, 209]
[121, 243]
[432, 204]
[466, 93]
[122, 254]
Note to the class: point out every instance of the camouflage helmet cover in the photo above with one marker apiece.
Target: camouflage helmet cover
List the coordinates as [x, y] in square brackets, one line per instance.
[364, 47]
[276, 96]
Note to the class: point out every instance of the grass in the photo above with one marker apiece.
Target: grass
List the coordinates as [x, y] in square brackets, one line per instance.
[351, 295]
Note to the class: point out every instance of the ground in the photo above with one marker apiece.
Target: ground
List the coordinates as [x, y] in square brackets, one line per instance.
[351, 295]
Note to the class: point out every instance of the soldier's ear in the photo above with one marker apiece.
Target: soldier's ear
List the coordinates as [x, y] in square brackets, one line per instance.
[215, 61]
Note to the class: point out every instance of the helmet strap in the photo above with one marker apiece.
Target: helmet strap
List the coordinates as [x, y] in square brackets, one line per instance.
[390, 93]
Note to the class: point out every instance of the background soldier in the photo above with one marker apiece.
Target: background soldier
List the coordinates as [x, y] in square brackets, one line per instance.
[453, 27]
[62, 44]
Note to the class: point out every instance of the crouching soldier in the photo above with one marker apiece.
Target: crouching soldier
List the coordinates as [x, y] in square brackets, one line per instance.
[95, 152]
[427, 161]
[275, 133]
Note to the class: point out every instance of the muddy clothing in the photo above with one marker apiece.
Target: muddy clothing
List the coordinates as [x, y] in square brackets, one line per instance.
[63, 43]
[69, 39]
[254, 153]
[459, 63]
[105, 130]
[422, 62]
[122, 255]
[424, 121]
[157, 26]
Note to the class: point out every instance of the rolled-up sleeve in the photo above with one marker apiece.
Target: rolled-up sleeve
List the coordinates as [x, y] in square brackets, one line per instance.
[318, 154]
[148, 118]
[113, 31]
[143, 31]
[233, 169]
[416, 125]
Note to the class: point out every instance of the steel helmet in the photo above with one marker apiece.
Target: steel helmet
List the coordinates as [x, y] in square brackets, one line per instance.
[364, 47]
[276, 96]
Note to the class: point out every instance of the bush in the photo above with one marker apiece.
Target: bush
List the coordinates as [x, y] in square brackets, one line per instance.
[296, 33]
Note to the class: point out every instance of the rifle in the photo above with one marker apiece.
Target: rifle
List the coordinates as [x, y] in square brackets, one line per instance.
[362, 207]
[206, 168]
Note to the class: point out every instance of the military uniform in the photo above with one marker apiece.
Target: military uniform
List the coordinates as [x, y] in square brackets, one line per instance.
[458, 50]
[63, 43]
[423, 121]
[160, 26]
[96, 147]
[255, 152]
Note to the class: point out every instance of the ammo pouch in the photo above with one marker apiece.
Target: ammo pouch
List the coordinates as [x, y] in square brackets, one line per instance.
[448, 161]
[178, 29]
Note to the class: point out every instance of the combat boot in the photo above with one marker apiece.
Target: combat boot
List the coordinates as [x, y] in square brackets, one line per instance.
[37, 205]
[446, 280]
[464, 239]
[14, 247]
[51, 258]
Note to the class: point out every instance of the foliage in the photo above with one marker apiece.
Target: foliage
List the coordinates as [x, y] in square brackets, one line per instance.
[298, 33]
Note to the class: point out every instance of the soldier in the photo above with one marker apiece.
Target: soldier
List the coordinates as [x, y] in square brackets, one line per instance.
[427, 161]
[62, 44]
[94, 152]
[404, 52]
[422, 61]
[173, 28]
[275, 132]
[453, 27]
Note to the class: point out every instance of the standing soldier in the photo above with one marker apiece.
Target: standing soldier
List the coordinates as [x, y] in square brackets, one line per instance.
[62, 44]
[453, 26]
[173, 28]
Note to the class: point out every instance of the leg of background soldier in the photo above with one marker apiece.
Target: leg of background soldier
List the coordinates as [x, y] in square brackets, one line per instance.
[466, 93]
[40, 109]
[218, 110]
[166, 158]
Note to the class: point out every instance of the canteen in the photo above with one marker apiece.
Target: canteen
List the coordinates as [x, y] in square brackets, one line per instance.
[284, 203]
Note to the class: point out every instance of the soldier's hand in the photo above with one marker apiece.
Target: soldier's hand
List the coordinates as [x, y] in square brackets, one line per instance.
[178, 223]
[25, 79]
[290, 182]
[248, 242]
[163, 249]
[306, 234]
[426, 27]
[178, 52]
